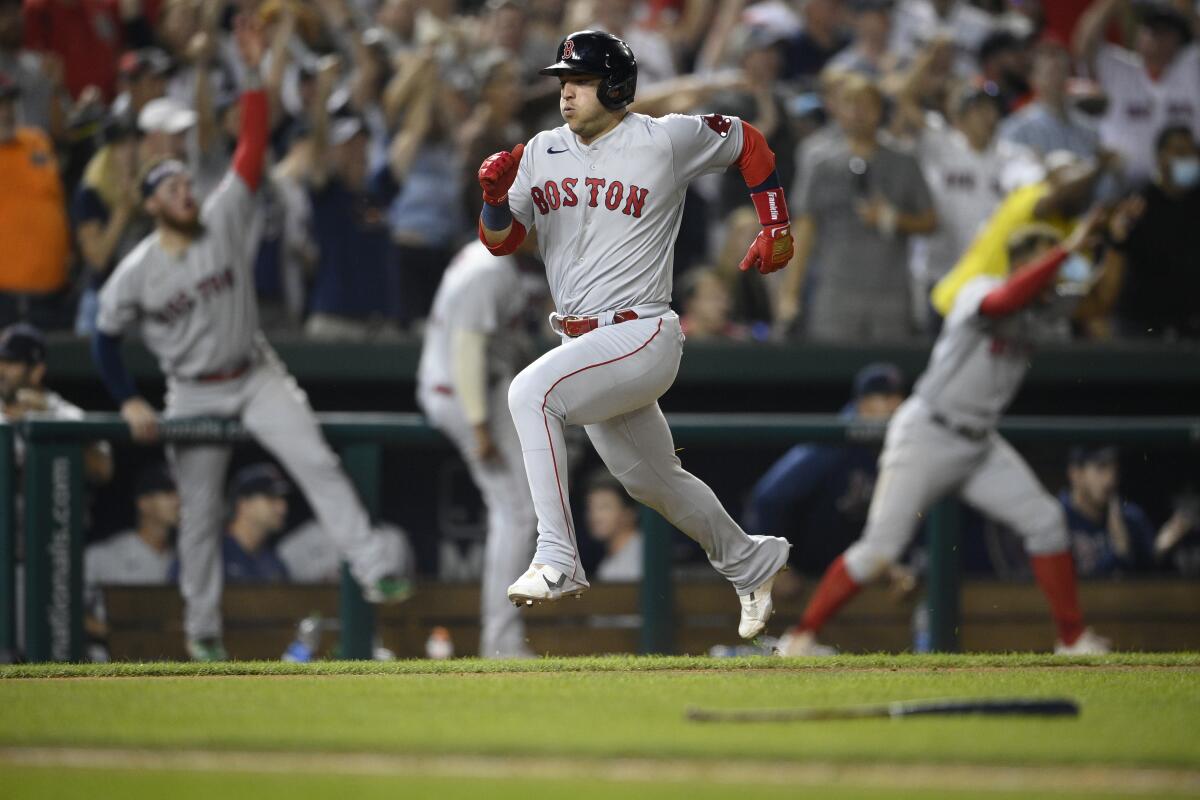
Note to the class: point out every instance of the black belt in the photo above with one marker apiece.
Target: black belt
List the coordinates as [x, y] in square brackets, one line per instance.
[974, 434]
[233, 373]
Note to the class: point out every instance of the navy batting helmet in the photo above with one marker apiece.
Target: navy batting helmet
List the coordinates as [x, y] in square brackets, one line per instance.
[598, 53]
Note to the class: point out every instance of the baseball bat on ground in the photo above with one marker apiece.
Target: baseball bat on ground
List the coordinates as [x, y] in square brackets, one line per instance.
[1013, 706]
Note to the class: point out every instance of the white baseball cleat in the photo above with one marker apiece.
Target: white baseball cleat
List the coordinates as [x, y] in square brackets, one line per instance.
[542, 584]
[1089, 643]
[802, 643]
[757, 606]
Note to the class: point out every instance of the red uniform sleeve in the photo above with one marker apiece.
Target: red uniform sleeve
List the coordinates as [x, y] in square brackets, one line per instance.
[252, 138]
[757, 161]
[510, 243]
[1023, 285]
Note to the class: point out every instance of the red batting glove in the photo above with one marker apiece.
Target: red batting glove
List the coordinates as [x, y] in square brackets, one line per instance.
[771, 250]
[497, 173]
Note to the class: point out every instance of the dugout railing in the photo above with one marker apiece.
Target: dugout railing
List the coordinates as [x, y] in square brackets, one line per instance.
[52, 499]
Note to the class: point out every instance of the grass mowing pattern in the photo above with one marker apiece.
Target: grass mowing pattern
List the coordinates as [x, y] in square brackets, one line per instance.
[39, 783]
[594, 664]
[1137, 709]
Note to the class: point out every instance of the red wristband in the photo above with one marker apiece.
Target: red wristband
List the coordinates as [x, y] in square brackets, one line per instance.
[771, 206]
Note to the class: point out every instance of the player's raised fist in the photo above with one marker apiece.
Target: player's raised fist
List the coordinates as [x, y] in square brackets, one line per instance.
[771, 250]
[497, 173]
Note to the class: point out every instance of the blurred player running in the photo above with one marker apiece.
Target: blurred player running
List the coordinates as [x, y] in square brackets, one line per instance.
[943, 439]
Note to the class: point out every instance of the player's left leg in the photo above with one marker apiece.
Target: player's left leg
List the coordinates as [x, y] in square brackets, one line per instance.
[1005, 488]
[277, 414]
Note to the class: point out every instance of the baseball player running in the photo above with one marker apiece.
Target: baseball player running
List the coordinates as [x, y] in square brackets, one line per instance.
[190, 286]
[605, 194]
[467, 363]
[943, 439]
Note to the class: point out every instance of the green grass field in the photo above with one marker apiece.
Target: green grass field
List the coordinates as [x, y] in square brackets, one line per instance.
[584, 728]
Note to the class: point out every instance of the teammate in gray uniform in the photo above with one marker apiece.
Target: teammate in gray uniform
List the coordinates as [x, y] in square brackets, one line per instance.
[943, 440]
[190, 285]
[605, 193]
[470, 355]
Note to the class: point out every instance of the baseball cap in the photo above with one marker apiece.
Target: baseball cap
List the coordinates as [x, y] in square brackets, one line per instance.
[146, 61]
[1093, 454]
[9, 88]
[164, 115]
[22, 343]
[257, 479]
[153, 480]
[878, 378]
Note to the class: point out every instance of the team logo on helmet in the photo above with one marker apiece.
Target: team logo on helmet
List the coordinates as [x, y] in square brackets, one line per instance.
[568, 49]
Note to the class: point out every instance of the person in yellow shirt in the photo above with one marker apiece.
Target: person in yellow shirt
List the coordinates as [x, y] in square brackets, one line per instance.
[1063, 196]
[34, 235]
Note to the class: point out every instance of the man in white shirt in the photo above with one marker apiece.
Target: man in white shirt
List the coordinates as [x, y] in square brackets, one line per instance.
[1049, 123]
[1154, 85]
[141, 556]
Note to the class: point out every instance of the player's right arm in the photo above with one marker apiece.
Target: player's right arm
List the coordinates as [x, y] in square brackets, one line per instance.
[499, 230]
[119, 307]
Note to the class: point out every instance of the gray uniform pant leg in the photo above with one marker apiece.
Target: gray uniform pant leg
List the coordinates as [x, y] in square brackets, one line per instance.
[920, 463]
[640, 452]
[200, 475]
[1004, 488]
[511, 521]
[277, 414]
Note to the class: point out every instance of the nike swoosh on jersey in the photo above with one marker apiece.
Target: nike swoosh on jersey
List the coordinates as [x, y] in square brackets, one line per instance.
[555, 152]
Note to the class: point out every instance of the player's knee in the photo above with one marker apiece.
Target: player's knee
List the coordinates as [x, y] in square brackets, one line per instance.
[523, 393]
[1047, 531]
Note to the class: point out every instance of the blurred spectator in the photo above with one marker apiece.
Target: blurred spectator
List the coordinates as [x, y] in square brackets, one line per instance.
[1003, 69]
[869, 53]
[749, 295]
[968, 173]
[655, 59]
[143, 75]
[142, 556]
[23, 390]
[856, 215]
[356, 286]
[917, 23]
[107, 215]
[1152, 86]
[88, 36]
[1048, 122]
[494, 124]
[818, 495]
[39, 76]
[310, 556]
[297, 256]
[1160, 295]
[259, 497]
[426, 217]
[34, 235]
[1178, 541]
[705, 304]
[1109, 535]
[819, 40]
[612, 519]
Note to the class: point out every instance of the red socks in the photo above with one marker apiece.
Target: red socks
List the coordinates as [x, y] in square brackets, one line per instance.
[1055, 574]
[835, 589]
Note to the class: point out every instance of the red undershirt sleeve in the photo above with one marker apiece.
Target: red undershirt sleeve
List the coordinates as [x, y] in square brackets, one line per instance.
[1023, 285]
[510, 243]
[252, 138]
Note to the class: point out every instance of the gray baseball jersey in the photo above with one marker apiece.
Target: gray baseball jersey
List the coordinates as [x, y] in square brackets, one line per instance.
[198, 311]
[607, 213]
[977, 364]
[478, 292]
[122, 559]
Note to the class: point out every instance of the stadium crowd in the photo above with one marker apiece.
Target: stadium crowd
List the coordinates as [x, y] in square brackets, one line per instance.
[915, 135]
